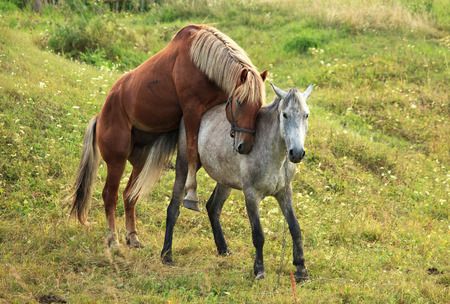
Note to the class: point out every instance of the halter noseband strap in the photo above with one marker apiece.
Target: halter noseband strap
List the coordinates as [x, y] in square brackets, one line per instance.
[234, 127]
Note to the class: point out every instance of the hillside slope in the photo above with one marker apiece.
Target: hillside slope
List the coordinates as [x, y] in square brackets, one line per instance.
[371, 195]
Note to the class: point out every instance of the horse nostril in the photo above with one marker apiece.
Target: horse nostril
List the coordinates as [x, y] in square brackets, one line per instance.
[291, 152]
[240, 147]
[303, 153]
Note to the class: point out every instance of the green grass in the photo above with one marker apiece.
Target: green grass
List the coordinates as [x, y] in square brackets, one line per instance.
[371, 195]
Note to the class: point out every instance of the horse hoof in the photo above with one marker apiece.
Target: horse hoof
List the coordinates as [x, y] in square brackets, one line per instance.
[133, 241]
[114, 248]
[260, 275]
[191, 204]
[112, 242]
[301, 276]
[167, 260]
[224, 253]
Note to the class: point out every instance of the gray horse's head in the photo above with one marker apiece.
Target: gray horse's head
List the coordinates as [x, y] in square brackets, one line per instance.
[293, 114]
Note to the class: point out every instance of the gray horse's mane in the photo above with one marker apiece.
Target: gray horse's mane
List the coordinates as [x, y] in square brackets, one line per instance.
[273, 106]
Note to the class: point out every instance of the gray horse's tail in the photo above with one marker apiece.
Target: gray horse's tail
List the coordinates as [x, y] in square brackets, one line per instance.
[86, 174]
[158, 155]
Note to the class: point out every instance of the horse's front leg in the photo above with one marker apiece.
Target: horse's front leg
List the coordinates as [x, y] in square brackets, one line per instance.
[173, 210]
[192, 125]
[252, 200]
[284, 198]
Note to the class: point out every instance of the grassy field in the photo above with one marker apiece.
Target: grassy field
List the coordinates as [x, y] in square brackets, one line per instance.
[372, 195]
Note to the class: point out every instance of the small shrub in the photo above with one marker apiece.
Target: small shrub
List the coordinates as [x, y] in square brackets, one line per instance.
[301, 44]
[168, 14]
[310, 38]
[71, 39]
[96, 57]
[96, 41]
[6, 6]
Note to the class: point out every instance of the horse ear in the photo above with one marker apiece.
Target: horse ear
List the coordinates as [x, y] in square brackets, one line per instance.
[308, 91]
[243, 76]
[280, 93]
[264, 75]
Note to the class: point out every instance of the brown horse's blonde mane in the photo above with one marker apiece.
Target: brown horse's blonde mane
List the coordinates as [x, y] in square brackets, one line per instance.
[222, 60]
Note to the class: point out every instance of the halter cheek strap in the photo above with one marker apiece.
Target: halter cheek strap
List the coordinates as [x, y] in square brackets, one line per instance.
[234, 127]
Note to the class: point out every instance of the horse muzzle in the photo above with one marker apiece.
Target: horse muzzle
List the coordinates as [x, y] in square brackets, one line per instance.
[243, 144]
[296, 155]
[242, 148]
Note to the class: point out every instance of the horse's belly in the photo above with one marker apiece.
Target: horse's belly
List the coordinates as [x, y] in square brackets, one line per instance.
[223, 174]
[157, 118]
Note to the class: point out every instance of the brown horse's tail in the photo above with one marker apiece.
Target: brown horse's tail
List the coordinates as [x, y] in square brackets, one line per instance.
[158, 155]
[86, 174]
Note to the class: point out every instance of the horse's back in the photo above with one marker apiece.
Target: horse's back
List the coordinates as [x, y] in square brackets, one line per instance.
[147, 94]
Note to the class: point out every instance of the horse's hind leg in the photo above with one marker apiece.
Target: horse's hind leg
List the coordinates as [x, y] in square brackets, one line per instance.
[113, 138]
[214, 207]
[130, 210]
[137, 159]
[110, 196]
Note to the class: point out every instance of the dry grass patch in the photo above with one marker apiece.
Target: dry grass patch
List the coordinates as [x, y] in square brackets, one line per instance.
[362, 15]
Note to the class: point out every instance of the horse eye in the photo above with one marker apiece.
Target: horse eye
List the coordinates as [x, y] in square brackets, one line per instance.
[306, 115]
[284, 115]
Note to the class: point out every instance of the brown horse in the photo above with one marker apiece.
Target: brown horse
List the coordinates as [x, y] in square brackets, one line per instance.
[200, 68]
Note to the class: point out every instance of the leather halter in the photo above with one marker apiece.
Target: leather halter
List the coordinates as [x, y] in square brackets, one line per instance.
[234, 127]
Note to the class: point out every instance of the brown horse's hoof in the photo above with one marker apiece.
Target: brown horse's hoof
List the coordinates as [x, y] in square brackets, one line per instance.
[112, 242]
[133, 241]
[114, 248]
[190, 204]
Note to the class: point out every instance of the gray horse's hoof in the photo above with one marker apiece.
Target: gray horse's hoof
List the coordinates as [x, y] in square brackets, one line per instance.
[301, 275]
[190, 204]
[224, 253]
[166, 259]
[260, 275]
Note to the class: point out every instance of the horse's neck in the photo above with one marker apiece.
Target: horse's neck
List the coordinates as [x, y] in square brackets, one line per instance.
[270, 134]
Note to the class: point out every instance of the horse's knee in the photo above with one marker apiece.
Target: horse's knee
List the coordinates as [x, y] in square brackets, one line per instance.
[173, 210]
[258, 239]
[210, 207]
[109, 196]
[129, 204]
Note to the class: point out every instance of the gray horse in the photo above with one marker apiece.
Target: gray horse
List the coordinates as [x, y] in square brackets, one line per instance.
[267, 171]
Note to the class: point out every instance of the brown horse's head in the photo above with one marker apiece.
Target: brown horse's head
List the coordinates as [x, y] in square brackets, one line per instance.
[242, 109]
